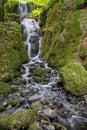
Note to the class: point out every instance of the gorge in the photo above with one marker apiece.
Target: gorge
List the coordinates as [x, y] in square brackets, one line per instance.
[39, 89]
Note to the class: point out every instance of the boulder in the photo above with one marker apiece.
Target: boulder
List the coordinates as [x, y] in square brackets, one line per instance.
[19, 120]
[34, 41]
[74, 78]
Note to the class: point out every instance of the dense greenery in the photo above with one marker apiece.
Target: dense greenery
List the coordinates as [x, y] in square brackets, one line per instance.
[39, 3]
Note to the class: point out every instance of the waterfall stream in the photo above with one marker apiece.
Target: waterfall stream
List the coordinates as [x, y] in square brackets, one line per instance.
[71, 111]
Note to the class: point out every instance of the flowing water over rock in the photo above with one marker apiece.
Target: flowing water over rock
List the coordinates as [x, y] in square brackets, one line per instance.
[41, 83]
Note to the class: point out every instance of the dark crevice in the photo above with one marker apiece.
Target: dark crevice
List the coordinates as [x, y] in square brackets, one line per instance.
[82, 6]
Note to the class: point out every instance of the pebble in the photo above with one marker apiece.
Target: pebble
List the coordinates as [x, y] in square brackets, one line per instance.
[4, 104]
[49, 113]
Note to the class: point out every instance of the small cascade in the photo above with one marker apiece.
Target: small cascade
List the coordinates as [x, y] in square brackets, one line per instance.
[22, 9]
[31, 34]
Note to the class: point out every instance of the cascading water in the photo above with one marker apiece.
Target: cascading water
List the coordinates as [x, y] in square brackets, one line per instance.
[71, 111]
[32, 39]
[22, 9]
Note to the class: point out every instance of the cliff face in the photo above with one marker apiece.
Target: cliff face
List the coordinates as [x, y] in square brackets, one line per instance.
[66, 22]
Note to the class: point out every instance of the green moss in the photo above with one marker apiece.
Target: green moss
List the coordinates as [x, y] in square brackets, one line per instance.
[40, 71]
[39, 74]
[4, 88]
[19, 120]
[38, 79]
[62, 32]
[74, 78]
[12, 52]
[34, 126]
[12, 102]
[1, 108]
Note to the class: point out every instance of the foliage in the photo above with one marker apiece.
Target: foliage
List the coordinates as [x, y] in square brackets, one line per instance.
[39, 3]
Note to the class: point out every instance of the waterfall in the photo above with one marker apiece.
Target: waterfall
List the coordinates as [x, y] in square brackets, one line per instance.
[22, 9]
[31, 32]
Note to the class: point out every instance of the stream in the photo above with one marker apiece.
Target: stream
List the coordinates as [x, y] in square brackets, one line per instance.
[69, 110]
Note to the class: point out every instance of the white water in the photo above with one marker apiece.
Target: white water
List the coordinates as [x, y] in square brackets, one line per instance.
[22, 9]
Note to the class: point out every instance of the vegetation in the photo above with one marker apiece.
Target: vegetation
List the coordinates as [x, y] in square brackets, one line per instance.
[62, 32]
[19, 120]
[74, 77]
[4, 88]
[39, 74]
[11, 56]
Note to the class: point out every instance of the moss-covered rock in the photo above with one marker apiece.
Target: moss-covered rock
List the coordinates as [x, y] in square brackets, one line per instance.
[12, 102]
[62, 32]
[74, 78]
[4, 88]
[35, 126]
[12, 50]
[19, 120]
[82, 51]
[1, 108]
[39, 74]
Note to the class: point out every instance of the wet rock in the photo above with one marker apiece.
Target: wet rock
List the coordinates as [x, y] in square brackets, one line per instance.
[37, 105]
[51, 127]
[4, 104]
[59, 126]
[21, 100]
[9, 107]
[14, 88]
[35, 126]
[12, 102]
[26, 106]
[19, 81]
[33, 98]
[34, 41]
[49, 113]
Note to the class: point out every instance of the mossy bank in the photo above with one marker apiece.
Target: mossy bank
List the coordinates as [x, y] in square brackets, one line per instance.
[64, 25]
[12, 52]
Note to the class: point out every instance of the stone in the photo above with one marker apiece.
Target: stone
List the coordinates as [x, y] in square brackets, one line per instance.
[35, 126]
[19, 120]
[37, 105]
[74, 78]
[34, 98]
[51, 127]
[59, 126]
[34, 41]
[5, 104]
[49, 113]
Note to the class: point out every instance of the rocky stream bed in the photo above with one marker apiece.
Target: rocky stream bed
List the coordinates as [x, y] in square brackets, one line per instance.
[39, 88]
